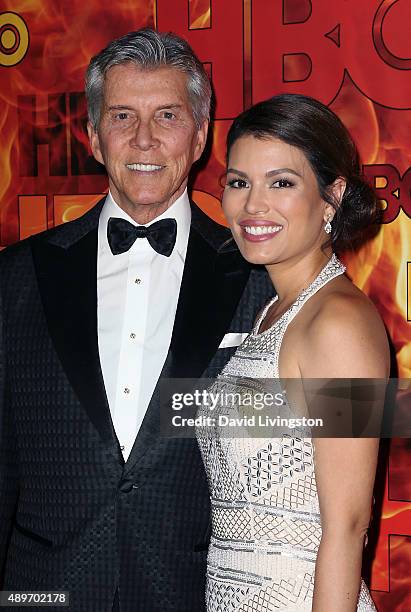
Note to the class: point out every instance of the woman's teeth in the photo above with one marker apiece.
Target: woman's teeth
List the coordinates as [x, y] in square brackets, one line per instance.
[257, 230]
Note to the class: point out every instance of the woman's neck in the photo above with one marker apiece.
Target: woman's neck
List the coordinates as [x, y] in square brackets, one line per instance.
[291, 277]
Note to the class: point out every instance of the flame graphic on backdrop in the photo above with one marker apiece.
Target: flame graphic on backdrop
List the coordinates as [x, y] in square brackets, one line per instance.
[200, 14]
[399, 597]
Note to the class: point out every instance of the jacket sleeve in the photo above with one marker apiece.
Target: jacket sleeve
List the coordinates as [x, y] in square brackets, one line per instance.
[8, 461]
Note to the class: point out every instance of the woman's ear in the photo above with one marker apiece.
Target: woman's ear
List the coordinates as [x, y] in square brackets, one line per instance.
[337, 190]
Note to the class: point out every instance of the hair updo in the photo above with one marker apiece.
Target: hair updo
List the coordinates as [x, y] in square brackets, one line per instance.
[312, 127]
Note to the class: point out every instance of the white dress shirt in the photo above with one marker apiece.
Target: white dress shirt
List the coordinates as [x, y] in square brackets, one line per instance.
[137, 295]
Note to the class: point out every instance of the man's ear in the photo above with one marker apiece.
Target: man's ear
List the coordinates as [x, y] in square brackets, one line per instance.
[94, 142]
[201, 139]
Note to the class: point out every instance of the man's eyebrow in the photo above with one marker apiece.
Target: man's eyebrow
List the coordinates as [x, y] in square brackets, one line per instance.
[171, 105]
[119, 107]
[159, 107]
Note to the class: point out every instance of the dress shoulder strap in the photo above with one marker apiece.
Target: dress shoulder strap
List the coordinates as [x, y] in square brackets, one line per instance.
[262, 314]
[331, 270]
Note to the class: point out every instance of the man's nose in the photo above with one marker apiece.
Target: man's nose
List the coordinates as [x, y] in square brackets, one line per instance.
[143, 137]
[257, 201]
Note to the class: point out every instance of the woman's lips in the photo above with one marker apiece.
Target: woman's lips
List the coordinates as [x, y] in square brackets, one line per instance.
[257, 232]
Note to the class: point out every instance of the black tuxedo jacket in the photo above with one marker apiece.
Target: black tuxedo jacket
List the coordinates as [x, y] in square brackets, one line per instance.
[73, 515]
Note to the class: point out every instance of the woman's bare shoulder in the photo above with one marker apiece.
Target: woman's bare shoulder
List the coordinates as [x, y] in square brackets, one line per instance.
[345, 335]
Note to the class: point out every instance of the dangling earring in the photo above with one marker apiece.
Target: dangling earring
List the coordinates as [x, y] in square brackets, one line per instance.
[327, 226]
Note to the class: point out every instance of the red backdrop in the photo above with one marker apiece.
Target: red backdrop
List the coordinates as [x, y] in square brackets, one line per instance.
[354, 55]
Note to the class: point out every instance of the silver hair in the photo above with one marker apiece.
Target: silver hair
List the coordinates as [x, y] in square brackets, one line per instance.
[150, 50]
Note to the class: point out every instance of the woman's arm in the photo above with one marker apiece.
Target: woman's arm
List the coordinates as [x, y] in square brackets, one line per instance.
[346, 340]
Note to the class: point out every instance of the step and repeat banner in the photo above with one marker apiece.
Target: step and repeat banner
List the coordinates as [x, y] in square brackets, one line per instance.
[353, 55]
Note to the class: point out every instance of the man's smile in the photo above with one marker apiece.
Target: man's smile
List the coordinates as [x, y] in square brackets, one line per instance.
[144, 167]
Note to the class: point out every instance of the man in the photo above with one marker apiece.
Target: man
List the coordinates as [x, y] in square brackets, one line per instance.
[96, 313]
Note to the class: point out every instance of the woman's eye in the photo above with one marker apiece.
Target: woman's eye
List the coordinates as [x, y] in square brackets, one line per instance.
[281, 183]
[237, 184]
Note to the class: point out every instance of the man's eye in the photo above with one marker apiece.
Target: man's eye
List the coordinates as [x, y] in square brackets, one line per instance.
[282, 183]
[121, 116]
[167, 115]
[237, 184]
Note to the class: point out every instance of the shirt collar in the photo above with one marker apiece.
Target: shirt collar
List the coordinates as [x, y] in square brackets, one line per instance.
[180, 210]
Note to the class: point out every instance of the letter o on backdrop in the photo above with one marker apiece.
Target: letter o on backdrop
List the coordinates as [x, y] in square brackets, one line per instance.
[14, 39]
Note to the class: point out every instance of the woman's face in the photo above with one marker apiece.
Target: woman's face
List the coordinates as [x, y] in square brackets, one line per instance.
[272, 201]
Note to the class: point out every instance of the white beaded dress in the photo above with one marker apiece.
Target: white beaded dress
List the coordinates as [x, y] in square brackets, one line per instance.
[266, 524]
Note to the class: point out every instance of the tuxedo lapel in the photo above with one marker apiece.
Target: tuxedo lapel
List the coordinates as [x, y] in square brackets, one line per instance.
[67, 278]
[214, 278]
[211, 288]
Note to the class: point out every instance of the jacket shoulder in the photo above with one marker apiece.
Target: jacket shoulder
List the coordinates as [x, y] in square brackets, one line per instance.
[59, 235]
[216, 235]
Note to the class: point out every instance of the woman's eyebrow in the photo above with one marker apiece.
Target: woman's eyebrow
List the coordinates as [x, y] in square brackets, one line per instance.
[282, 171]
[234, 171]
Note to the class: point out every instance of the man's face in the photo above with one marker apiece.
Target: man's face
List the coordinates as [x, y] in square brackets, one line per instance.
[147, 138]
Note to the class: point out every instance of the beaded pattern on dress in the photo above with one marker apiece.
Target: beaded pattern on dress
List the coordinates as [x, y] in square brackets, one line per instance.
[265, 511]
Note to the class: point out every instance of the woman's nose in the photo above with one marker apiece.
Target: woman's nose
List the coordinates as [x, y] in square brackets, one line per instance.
[256, 202]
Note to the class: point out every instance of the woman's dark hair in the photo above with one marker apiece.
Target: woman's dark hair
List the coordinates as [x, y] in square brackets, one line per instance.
[313, 128]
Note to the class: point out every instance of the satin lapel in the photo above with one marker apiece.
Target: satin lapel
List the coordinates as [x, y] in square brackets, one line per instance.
[210, 291]
[211, 288]
[67, 280]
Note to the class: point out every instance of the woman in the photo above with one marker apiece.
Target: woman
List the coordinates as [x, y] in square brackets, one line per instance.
[290, 513]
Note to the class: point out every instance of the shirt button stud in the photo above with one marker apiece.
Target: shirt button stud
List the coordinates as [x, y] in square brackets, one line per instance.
[137, 281]
[126, 390]
[133, 336]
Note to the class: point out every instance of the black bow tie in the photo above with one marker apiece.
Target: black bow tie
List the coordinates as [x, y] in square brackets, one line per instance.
[122, 235]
